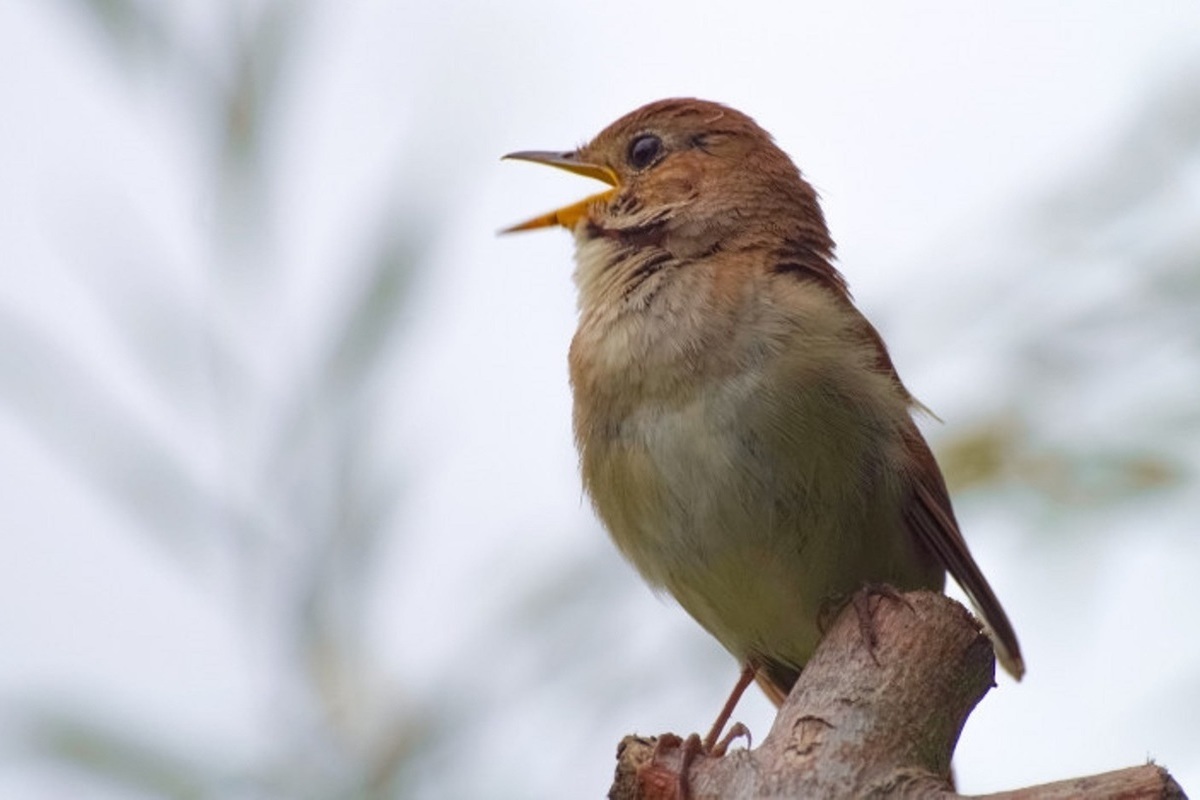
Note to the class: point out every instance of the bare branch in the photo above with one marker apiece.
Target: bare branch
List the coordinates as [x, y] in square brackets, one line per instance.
[869, 722]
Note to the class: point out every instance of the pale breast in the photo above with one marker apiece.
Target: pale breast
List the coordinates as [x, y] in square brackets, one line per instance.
[752, 531]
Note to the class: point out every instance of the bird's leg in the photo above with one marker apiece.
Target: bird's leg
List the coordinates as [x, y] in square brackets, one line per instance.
[711, 740]
[653, 775]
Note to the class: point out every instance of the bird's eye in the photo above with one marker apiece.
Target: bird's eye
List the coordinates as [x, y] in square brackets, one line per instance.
[644, 150]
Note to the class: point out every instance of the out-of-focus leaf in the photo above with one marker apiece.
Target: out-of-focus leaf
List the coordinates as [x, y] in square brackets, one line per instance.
[375, 314]
[327, 404]
[1143, 165]
[76, 414]
[981, 456]
[132, 28]
[260, 63]
[140, 763]
[1004, 452]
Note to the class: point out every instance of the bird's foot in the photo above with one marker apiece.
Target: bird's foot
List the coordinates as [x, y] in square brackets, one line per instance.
[663, 781]
[864, 609]
[735, 732]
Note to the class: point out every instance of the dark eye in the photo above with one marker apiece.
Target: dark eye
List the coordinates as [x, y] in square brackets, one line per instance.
[644, 150]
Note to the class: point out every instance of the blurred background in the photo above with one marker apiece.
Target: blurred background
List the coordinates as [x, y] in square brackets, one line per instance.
[290, 506]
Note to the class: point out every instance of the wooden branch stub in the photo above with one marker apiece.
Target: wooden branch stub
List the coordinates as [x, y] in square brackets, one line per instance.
[865, 721]
[1147, 782]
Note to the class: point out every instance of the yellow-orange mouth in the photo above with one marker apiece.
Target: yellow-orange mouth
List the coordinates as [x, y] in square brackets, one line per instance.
[568, 215]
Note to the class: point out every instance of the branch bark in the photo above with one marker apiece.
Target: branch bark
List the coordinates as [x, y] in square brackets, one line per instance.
[865, 721]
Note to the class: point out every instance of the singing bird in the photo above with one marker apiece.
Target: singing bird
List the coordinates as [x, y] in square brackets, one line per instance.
[742, 432]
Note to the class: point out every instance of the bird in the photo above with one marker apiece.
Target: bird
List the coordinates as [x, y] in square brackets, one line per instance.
[743, 434]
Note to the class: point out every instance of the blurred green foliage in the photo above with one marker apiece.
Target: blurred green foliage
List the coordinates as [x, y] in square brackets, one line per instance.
[1004, 453]
[307, 503]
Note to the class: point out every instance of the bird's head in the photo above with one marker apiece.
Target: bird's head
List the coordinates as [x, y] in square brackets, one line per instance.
[687, 176]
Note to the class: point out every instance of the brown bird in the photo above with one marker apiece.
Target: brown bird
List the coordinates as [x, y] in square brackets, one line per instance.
[743, 434]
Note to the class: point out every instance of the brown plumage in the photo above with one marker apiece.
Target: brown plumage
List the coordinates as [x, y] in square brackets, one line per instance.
[742, 431]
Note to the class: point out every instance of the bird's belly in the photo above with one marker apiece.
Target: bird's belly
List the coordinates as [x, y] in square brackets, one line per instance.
[753, 541]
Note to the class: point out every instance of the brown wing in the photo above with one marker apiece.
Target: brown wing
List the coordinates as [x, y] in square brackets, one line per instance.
[931, 519]
[929, 516]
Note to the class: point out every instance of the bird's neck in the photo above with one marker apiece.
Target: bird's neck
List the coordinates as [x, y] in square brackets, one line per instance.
[656, 326]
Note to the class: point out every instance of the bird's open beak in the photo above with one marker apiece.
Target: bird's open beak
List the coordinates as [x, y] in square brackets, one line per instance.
[568, 215]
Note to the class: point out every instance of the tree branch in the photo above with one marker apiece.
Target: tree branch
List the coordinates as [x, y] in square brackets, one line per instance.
[864, 721]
